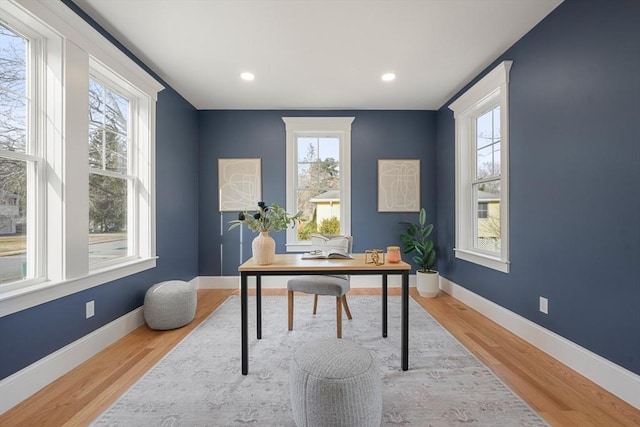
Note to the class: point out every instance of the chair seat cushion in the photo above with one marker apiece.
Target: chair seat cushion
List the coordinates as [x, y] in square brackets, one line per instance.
[320, 285]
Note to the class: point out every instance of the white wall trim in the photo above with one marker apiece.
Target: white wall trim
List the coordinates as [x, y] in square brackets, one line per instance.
[24, 383]
[489, 92]
[39, 293]
[613, 378]
[65, 21]
[314, 126]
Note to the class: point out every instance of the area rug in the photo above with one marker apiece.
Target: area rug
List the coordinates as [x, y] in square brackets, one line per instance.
[199, 382]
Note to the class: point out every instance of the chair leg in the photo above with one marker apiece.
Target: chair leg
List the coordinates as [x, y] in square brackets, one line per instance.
[315, 303]
[339, 316]
[290, 308]
[346, 306]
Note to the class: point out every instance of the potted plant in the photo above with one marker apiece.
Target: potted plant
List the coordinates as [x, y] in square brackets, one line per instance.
[264, 220]
[416, 240]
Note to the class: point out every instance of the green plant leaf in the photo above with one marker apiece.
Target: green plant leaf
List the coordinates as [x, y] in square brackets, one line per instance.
[431, 260]
[428, 246]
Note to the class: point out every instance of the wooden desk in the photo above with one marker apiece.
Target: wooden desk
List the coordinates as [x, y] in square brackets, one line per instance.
[293, 265]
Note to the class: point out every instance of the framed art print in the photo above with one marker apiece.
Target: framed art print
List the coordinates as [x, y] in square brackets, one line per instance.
[239, 184]
[398, 185]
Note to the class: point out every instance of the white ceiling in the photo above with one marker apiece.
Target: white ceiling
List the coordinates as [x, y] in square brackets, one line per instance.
[318, 54]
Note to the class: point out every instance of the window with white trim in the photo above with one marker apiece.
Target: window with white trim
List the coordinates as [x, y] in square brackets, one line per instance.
[77, 128]
[482, 185]
[318, 176]
[20, 154]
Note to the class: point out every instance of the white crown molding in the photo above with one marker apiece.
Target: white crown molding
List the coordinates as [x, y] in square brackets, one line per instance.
[613, 378]
[66, 22]
[496, 78]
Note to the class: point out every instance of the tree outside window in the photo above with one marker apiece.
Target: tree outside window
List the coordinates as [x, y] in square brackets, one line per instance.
[17, 159]
[108, 177]
[318, 189]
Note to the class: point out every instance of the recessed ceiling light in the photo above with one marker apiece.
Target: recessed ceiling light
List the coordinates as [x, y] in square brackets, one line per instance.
[247, 76]
[387, 77]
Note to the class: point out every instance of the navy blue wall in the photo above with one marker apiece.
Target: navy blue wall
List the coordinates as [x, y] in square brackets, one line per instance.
[32, 334]
[375, 135]
[575, 180]
[575, 191]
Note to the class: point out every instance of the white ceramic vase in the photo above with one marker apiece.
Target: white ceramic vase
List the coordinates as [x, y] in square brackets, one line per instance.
[428, 284]
[263, 248]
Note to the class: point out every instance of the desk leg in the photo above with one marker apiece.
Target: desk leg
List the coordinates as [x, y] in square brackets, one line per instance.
[384, 305]
[259, 306]
[244, 321]
[405, 320]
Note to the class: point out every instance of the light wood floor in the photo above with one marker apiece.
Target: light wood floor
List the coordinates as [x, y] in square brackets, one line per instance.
[560, 395]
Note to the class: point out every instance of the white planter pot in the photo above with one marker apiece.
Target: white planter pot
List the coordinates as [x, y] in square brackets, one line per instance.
[428, 284]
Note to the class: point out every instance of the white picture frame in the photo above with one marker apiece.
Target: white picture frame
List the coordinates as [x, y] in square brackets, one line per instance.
[239, 184]
[398, 185]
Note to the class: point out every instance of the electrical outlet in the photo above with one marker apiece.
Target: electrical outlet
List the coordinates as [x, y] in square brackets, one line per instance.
[90, 309]
[544, 305]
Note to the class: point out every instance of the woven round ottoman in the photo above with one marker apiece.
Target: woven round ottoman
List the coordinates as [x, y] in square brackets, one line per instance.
[170, 305]
[335, 383]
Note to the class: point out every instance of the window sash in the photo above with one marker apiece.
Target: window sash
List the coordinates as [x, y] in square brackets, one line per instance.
[322, 145]
[99, 129]
[30, 153]
[110, 87]
[129, 229]
[487, 228]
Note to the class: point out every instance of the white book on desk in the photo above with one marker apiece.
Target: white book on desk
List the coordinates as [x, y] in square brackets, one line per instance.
[332, 253]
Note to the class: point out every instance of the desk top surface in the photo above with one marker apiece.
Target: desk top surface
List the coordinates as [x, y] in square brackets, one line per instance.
[293, 262]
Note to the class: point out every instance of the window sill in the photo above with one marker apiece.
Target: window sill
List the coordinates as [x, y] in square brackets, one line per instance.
[483, 260]
[12, 301]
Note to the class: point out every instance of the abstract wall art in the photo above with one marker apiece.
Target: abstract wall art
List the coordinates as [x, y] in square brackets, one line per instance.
[398, 185]
[239, 184]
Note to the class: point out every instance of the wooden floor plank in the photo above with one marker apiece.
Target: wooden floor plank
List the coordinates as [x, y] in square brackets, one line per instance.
[560, 395]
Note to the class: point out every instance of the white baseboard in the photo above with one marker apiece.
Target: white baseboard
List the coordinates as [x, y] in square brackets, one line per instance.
[617, 380]
[280, 282]
[24, 383]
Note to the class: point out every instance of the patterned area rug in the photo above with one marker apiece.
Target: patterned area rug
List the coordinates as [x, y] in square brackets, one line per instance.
[199, 383]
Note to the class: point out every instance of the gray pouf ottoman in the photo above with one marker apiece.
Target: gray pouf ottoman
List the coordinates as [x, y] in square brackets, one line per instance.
[335, 382]
[170, 305]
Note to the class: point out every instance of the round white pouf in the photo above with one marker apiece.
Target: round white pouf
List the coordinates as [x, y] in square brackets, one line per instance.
[335, 383]
[170, 305]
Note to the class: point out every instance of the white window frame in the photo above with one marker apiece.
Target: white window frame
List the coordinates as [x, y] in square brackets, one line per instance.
[314, 126]
[135, 229]
[490, 91]
[34, 148]
[72, 49]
